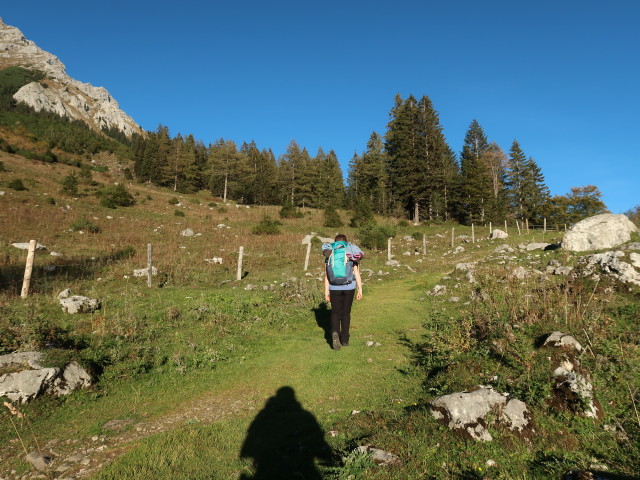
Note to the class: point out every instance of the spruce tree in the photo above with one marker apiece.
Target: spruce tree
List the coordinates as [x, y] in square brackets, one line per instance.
[476, 189]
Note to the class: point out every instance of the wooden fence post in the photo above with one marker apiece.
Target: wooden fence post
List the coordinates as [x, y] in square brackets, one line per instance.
[505, 227]
[453, 237]
[240, 255]
[306, 258]
[526, 221]
[424, 244]
[149, 264]
[389, 248]
[518, 227]
[545, 224]
[473, 233]
[490, 228]
[28, 268]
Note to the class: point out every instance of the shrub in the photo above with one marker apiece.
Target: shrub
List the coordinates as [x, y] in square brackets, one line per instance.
[288, 210]
[70, 185]
[211, 204]
[362, 214]
[16, 184]
[85, 225]
[222, 210]
[331, 218]
[2, 169]
[194, 201]
[51, 201]
[267, 226]
[173, 201]
[417, 235]
[115, 196]
[403, 223]
[375, 236]
[178, 213]
[148, 197]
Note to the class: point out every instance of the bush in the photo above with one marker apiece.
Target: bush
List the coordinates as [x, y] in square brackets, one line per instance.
[267, 226]
[51, 201]
[417, 235]
[194, 201]
[85, 225]
[288, 210]
[178, 213]
[362, 214]
[70, 185]
[115, 196]
[16, 184]
[173, 201]
[211, 204]
[375, 236]
[403, 223]
[331, 218]
[222, 210]
[2, 168]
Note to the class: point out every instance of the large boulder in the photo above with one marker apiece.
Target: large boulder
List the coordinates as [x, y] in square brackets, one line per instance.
[497, 233]
[603, 231]
[26, 385]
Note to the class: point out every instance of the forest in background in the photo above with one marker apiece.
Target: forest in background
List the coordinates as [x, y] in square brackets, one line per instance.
[409, 171]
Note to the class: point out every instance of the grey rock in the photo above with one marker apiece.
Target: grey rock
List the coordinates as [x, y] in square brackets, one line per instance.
[497, 233]
[438, 290]
[73, 377]
[66, 293]
[454, 299]
[465, 267]
[458, 249]
[570, 382]
[610, 264]
[632, 246]
[560, 339]
[559, 270]
[21, 359]
[392, 263]
[635, 259]
[143, 272]
[520, 273]
[407, 238]
[467, 412]
[79, 304]
[56, 254]
[379, 457]
[504, 248]
[536, 246]
[599, 232]
[187, 232]
[40, 461]
[26, 385]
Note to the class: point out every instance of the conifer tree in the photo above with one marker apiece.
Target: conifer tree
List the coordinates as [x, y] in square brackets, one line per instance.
[476, 187]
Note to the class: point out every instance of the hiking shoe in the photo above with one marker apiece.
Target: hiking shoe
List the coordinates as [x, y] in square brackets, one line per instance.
[335, 338]
[345, 343]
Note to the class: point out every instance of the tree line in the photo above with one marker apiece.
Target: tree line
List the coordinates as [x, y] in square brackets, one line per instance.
[409, 171]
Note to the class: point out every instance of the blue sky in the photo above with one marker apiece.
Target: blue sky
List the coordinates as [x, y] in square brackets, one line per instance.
[561, 77]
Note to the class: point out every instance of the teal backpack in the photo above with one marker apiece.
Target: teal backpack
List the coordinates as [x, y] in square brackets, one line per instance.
[339, 266]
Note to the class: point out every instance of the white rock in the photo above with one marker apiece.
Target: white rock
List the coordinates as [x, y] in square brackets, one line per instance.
[56, 254]
[560, 339]
[26, 385]
[635, 259]
[392, 263]
[73, 378]
[379, 457]
[610, 264]
[21, 359]
[79, 304]
[40, 461]
[504, 248]
[143, 272]
[187, 232]
[599, 232]
[497, 233]
[536, 246]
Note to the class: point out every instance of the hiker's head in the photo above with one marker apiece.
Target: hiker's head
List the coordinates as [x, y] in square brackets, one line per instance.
[340, 238]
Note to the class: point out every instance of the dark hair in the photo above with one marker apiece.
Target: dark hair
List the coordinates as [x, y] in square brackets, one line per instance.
[340, 238]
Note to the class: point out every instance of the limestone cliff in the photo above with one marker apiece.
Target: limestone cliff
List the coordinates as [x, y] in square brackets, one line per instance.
[58, 92]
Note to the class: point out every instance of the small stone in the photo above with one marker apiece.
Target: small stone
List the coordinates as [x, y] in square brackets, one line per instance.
[40, 461]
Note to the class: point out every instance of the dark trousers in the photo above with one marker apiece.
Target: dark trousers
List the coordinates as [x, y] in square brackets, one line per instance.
[341, 301]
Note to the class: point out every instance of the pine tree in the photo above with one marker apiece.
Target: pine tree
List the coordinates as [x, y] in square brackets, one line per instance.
[225, 169]
[291, 170]
[517, 181]
[476, 186]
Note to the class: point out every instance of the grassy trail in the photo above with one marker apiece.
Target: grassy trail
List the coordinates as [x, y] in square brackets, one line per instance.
[329, 384]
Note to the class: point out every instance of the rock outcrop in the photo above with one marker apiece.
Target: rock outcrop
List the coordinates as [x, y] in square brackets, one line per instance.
[57, 92]
[598, 233]
[609, 263]
[77, 303]
[27, 379]
[468, 413]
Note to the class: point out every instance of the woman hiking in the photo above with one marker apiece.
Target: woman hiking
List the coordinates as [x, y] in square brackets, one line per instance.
[342, 282]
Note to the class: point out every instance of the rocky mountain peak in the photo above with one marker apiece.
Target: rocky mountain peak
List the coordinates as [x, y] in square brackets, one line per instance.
[58, 92]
